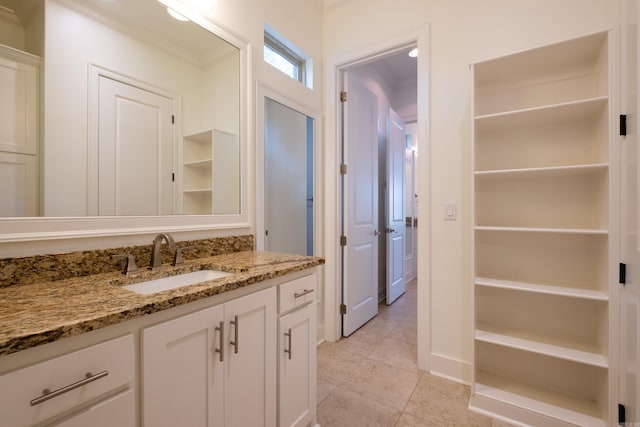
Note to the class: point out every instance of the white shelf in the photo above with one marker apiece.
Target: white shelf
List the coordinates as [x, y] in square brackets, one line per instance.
[589, 231]
[546, 115]
[543, 289]
[197, 191]
[573, 351]
[544, 171]
[206, 163]
[575, 411]
[542, 183]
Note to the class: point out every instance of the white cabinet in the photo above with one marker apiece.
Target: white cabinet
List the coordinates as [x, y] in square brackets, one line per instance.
[542, 234]
[211, 173]
[92, 386]
[297, 353]
[214, 367]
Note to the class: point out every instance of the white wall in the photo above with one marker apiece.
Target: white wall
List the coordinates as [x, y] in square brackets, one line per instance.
[460, 33]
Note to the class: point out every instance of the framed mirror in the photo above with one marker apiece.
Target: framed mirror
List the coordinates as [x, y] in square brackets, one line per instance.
[136, 118]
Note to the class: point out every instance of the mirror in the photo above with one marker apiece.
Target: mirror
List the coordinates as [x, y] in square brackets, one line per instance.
[140, 113]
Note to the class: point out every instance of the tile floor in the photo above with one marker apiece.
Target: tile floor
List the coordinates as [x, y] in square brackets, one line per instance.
[372, 377]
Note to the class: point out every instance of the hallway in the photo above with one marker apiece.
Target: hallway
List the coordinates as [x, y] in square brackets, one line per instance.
[372, 377]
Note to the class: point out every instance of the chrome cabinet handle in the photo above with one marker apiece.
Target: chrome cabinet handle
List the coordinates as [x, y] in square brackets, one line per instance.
[221, 341]
[48, 394]
[290, 350]
[301, 294]
[235, 343]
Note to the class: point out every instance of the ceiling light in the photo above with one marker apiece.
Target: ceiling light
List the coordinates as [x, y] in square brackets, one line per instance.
[176, 15]
[414, 52]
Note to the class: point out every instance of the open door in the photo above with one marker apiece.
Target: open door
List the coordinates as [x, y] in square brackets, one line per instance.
[396, 221]
[359, 205]
[630, 250]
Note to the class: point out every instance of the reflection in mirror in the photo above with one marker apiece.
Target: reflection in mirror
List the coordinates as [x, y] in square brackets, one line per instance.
[288, 163]
[133, 113]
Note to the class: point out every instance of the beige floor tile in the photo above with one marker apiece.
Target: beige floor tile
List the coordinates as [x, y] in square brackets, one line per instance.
[361, 343]
[407, 330]
[396, 311]
[343, 408]
[407, 420]
[383, 383]
[444, 403]
[334, 364]
[379, 325]
[396, 352]
[323, 389]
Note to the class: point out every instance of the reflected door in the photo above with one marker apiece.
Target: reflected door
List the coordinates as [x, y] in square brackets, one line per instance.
[135, 151]
[288, 154]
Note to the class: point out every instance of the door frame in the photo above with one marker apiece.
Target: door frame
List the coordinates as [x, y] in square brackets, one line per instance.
[95, 72]
[262, 93]
[332, 212]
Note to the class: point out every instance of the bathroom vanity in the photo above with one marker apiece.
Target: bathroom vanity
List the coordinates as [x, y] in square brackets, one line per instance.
[236, 350]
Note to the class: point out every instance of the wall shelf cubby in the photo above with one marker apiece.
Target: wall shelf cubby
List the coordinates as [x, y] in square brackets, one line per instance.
[207, 166]
[542, 234]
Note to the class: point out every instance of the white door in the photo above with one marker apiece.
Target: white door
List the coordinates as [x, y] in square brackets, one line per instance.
[135, 151]
[396, 221]
[360, 206]
[285, 188]
[410, 203]
[182, 375]
[250, 360]
[630, 253]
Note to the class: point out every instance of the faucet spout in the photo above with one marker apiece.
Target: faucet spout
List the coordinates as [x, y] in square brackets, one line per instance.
[156, 255]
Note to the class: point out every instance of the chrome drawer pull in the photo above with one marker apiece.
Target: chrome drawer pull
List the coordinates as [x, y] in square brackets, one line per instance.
[235, 342]
[48, 394]
[290, 350]
[221, 349]
[301, 294]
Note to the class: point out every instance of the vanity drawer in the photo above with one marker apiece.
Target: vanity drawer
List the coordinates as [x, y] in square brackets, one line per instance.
[111, 365]
[296, 293]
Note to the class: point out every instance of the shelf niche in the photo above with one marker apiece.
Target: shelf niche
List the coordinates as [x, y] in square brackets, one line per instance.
[541, 237]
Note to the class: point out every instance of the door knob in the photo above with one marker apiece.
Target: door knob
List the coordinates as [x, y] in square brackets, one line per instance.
[376, 233]
[390, 230]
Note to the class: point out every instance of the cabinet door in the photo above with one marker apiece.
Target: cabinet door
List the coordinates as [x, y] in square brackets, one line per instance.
[250, 364]
[19, 104]
[182, 380]
[297, 367]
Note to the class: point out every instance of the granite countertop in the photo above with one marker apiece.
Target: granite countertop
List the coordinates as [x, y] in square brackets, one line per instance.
[43, 312]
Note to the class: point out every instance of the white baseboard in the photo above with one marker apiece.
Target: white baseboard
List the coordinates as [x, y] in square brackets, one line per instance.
[450, 368]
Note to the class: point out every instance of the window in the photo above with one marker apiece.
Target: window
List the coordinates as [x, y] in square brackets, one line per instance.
[283, 55]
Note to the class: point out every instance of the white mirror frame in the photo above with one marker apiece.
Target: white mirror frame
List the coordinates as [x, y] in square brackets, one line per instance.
[18, 230]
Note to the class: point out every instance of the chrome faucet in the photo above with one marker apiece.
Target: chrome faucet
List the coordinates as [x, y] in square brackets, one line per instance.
[156, 255]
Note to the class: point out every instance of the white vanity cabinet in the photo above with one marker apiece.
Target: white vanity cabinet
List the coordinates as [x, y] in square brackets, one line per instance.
[213, 367]
[93, 386]
[297, 352]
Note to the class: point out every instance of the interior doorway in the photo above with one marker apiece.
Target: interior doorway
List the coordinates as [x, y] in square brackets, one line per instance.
[373, 211]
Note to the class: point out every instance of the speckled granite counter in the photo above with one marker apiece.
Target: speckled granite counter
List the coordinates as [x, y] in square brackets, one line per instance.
[38, 313]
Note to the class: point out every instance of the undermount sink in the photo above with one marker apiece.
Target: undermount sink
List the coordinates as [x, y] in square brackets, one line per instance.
[172, 282]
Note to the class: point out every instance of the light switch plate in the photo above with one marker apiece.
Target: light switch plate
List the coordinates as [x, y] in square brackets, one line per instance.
[450, 211]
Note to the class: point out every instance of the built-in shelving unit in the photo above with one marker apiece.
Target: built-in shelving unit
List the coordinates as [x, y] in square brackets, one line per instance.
[542, 234]
[210, 167]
